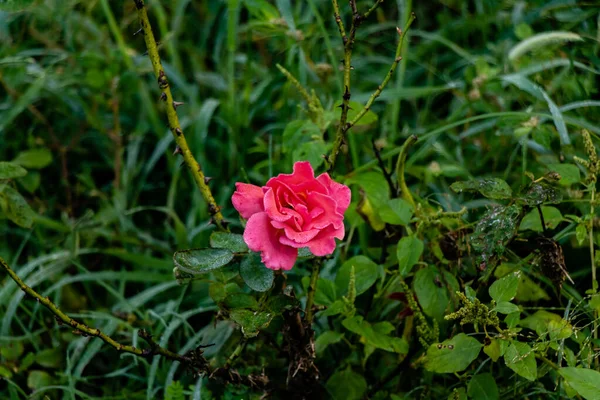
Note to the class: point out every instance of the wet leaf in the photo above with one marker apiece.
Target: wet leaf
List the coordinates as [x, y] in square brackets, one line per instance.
[492, 188]
[538, 193]
[233, 242]
[251, 322]
[201, 261]
[493, 232]
[255, 274]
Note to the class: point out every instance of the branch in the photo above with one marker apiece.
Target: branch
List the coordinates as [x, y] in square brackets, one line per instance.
[388, 76]
[182, 146]
[312, 289]
[85, 330]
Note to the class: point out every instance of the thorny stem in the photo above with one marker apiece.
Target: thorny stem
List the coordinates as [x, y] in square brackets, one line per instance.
[402, 187]
[174, 126]
[85, 330]
[386, 173]
[312, 289]
[388, 76]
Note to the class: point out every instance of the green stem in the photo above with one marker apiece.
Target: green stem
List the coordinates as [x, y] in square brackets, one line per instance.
[174, 126]
[236, 353]
[83, 329]
[312, 289]
[402, 187]
[388, 76]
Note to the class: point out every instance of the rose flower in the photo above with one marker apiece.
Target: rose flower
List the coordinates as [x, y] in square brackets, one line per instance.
[292, 211]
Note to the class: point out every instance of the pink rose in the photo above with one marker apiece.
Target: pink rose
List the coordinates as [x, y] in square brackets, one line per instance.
[290, 212]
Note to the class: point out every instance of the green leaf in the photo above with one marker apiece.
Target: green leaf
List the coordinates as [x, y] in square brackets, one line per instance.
[458, 394]
[251, 322]
[31, 181]
[5, 372]
[506, 307]
[531, 221]
[493, 350]
[366, 272]
[520, 358]
[233, 242]
[545, 322]
[10, 170]
[569, 173]
[493, 232]
[396, 212]
[201, 261]
[336, 308]
[492, 188]
[50, 358]
[483, 387]
[240, 300]
[409, 251]
[38, 379]
[431, 292]
[452, 355]
[255, 274]
[346, 385]
[14, 5]
[325, 339]
[581, 233]
[505, 288]
[355, 107]
[538, 193]
[34, 158]
[542, 41]
[586, 382]
[16, 208]
[376, 335]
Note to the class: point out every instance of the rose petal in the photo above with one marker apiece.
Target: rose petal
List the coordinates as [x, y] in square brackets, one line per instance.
[324, 243]
[339, 192]
[247, 199]
[261, 236]
[329, 215]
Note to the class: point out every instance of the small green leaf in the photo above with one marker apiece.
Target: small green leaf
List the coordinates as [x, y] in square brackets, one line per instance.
[255, 274]
[483, 387]
[201, 261]
[38, 379]
[346, 385]
[581, 233]
[545, 322]
[396, 212]
[31, 181]
[531, 221]
[569, 173]
[336, 308]
[538, 193]
[325, 339]
[240, 300]
[409, 251]
[586, 382]
[493, 350]
[492, 188]
[376, 335]
[431, 292]
[233, 242]
[520, 358]
[452, 355]
[50, 358]
[34, 158]
[10, 170]
[506, 307]
[366, 272]
[16, 207]
[251, 322]
[5, 372]
[505, 288]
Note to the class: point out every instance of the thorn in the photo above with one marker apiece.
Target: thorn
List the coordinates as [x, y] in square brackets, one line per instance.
[138, 31]
[163, 96]
[163, 82]
[351, 67]
[207, 179]
[177, 151]
[398, 59]
[399, 31]
[177, 104]
[178, 131]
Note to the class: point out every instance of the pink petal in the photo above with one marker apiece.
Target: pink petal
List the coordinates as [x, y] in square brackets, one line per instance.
[261, 236]
[328, 215]
[247, 199]
[340, 193]
[324, 243]
[273, 207]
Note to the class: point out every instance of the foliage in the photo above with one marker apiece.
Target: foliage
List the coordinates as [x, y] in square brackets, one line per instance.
[469, 139]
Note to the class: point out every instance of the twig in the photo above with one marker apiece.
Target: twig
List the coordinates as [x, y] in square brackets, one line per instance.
[373, 7]
[397, 59]
[400, 170]
[174, 125]
[85, 330]
[312, 289]
[236, 353]
[386, 174]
